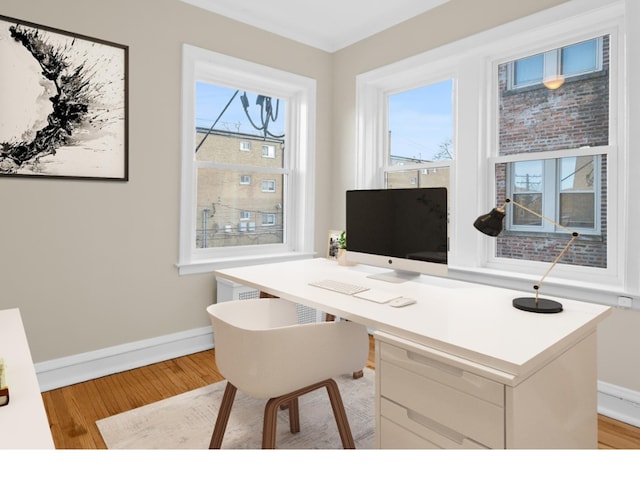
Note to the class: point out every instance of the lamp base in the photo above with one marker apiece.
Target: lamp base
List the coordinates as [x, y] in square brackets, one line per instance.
[528, 304]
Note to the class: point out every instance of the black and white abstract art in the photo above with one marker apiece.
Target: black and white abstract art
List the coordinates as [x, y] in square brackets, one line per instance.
[63, 104]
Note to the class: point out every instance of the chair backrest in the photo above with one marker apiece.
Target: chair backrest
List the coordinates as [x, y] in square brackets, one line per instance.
[262, 349]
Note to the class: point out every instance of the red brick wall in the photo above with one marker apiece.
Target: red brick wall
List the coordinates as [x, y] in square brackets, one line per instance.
[535, 119]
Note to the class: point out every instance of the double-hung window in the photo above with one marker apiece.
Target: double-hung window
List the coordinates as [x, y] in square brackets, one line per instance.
[538, 116]
[229, 102]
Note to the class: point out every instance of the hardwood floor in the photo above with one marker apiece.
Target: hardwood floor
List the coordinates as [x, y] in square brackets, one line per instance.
[73, 410]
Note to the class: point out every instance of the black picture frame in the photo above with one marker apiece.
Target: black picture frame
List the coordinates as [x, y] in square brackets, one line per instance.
[63, 104]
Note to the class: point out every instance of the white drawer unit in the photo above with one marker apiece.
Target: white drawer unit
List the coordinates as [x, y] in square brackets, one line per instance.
[426, 398]
[442, 404]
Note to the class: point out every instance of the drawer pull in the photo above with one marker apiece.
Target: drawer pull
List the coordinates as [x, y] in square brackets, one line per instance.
[436, 427]
[434, 364]
[457, 438]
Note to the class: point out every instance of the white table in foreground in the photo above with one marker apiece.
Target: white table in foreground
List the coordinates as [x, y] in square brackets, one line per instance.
[23, 422]
[461, 367]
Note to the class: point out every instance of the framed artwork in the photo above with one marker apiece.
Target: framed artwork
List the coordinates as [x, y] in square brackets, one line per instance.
[63, 104]
[333, 244]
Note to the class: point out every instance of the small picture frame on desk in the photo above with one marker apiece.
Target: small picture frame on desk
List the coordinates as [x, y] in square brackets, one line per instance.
[333, 244]
[4, 389]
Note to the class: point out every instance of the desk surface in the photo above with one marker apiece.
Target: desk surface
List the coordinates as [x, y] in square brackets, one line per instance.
[469, 321]
[23, 422]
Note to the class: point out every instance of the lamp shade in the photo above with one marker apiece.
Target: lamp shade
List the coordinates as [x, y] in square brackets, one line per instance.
[490, 223]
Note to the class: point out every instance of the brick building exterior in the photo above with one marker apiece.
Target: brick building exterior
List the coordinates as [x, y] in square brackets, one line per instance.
[536, 119]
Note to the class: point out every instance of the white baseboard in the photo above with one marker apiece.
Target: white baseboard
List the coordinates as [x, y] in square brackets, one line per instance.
[613, 401]
[619, 403]
[99, 363]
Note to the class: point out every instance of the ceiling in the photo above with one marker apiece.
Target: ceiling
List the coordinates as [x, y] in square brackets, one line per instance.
[328, 24]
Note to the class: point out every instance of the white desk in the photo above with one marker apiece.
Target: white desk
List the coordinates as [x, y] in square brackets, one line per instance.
[461, 367]
[23, 422]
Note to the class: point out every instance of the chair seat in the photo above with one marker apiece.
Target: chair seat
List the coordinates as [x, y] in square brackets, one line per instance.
[262, 350]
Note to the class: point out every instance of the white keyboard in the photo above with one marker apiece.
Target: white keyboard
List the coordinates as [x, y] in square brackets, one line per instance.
[340, 287]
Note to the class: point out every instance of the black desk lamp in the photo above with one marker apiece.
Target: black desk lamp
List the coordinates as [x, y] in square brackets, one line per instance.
[491, 224]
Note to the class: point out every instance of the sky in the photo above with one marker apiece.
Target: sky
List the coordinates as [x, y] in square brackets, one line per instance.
[420, 120]
[211, 100]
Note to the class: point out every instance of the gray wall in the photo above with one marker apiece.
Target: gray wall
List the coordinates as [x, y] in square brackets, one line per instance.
[92, 264]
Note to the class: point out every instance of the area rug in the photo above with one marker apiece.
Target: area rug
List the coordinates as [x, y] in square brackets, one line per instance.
[186, 421]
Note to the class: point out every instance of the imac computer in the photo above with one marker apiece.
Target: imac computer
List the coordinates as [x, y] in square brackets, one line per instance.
[404, 230]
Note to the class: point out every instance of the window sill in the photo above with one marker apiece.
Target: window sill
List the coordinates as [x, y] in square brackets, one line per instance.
[611, 295]
[210, 265]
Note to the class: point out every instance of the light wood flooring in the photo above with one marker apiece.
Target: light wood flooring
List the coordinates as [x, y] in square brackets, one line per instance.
[73, 410]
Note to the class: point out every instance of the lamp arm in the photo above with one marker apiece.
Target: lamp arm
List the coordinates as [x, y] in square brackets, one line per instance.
[574, 235]
[536, 287]
[509, 200]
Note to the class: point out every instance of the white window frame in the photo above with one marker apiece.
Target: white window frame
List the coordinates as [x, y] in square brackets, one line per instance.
[245, 179]
[472, 63]
[299, 94]
[245, 146]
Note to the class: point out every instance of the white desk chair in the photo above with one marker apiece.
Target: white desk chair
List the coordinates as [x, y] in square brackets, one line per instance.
[262, 350]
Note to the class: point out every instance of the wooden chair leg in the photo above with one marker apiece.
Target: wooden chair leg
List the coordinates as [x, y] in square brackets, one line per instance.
[273, 404]
[341, 415]
[270, 423]
[294, 416]
[223, 416]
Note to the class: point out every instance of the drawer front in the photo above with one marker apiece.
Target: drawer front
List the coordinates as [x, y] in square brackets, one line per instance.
[437, 403]
[447, 374]
[393, 436]
[418, 430]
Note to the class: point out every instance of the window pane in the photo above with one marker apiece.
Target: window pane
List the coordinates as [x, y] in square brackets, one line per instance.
[227, 212]
[528, 70]
[527, 189]
[225, 116]
[421, 124]
[577, 195]
[577, 209]
[420, 178]
[238, 206]
[581, 57]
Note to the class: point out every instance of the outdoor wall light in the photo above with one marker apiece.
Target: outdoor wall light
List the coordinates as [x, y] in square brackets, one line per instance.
[492, 224]
[553, 82]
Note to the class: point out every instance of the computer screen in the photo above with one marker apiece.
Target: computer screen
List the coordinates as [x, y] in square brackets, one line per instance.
[401, 229]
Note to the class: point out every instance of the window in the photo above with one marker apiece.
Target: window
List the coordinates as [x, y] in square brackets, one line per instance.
[223, 102]
[268, 219]
[559, 63]
[560, 152]
[268, 151]
[563, 189]
[268, 185]
[245, 215]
